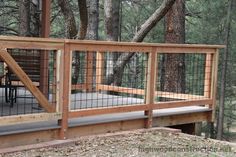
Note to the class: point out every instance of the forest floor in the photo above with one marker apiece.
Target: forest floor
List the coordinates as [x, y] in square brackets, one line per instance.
[138, 143]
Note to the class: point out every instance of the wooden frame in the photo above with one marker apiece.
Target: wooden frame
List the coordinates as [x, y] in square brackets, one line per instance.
[107, 110]
[214, 82]
[61, 110]
[142, 92]
[89, 71]
[151, 85]
[6, 57]
[29, 118]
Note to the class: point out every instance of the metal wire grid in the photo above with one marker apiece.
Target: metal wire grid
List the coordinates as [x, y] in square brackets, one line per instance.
[186, 79]
[117, 91]
[15, 99]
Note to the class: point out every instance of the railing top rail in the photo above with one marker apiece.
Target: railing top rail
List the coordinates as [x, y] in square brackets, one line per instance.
[108, 43]
[30, 39]
[91, 42]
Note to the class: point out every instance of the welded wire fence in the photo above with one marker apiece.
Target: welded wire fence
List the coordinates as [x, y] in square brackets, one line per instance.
[183, 77]
[105, 81]
[15, 98]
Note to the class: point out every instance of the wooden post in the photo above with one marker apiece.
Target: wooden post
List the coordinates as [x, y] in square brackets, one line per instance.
[208, 72]
[45, 32]
[151, 83]
[99, 69]
[67, 58]
[57, 86]
[214, 82]
[89, 72]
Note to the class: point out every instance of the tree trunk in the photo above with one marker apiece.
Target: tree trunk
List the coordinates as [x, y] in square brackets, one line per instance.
[24, 17]
[93, 19]
[116, 19]
[83, 19]
[173, 70]
[108, 19]
[220, 126]
[117, 73]
[35, 18]
[71, 29]
[70, 24]
[112, 16]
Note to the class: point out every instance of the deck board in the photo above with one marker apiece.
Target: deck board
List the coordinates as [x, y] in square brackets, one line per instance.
[29, 127]
[87, 100]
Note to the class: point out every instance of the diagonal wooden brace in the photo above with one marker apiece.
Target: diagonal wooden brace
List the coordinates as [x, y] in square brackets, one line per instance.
[7, 58]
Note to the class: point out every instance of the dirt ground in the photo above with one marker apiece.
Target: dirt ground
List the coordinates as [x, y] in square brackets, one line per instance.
[139, 143]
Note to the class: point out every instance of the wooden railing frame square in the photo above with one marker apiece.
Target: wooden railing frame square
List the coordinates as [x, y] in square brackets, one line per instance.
[63, 88]
[43, 102]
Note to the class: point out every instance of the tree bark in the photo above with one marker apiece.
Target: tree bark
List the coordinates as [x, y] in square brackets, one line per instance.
[72, 31]
[220, 126]
[116, 76]
[24, 17]
[116, 19]
[70, 24]
[93, 19]
[173, 70]
[83, 19]
[35, 18]
[112, 16]
[112, 19]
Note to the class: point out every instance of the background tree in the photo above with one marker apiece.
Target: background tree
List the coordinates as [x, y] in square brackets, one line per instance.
[173, 70]
[93, 19]
[118, 68]
[220, 122]
[24, 17]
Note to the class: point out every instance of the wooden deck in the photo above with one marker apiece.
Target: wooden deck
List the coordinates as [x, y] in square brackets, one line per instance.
[90, 120]
[90, 107]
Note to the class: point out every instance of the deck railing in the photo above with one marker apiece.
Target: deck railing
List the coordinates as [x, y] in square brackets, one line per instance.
[88, 78]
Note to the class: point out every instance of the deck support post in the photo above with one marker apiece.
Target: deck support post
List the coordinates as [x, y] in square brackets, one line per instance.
[99, 69]
[207, 78]
[214, 83]
[45, 32]
[89, 71]
[67, 57]
[150, 88]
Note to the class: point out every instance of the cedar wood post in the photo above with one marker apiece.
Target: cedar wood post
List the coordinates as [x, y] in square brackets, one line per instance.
[67, 54]
[45, 32]
[89, 71]
[208, 72]
[99, 69]
[214, 83]
[151, 82]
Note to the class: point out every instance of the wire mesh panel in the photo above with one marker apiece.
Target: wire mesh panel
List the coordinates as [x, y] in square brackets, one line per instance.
[183, 77]
[15, 97]
[106, 79]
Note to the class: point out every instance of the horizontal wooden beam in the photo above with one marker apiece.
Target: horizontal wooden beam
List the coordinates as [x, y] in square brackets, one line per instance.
[107, 110]
[31, 45]
[36, 117]
[86, 45]
[108, 43]
[174, 104]
[171, 95]
[181, 119]
[158, 45]
[120, 89]
[78, 86]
